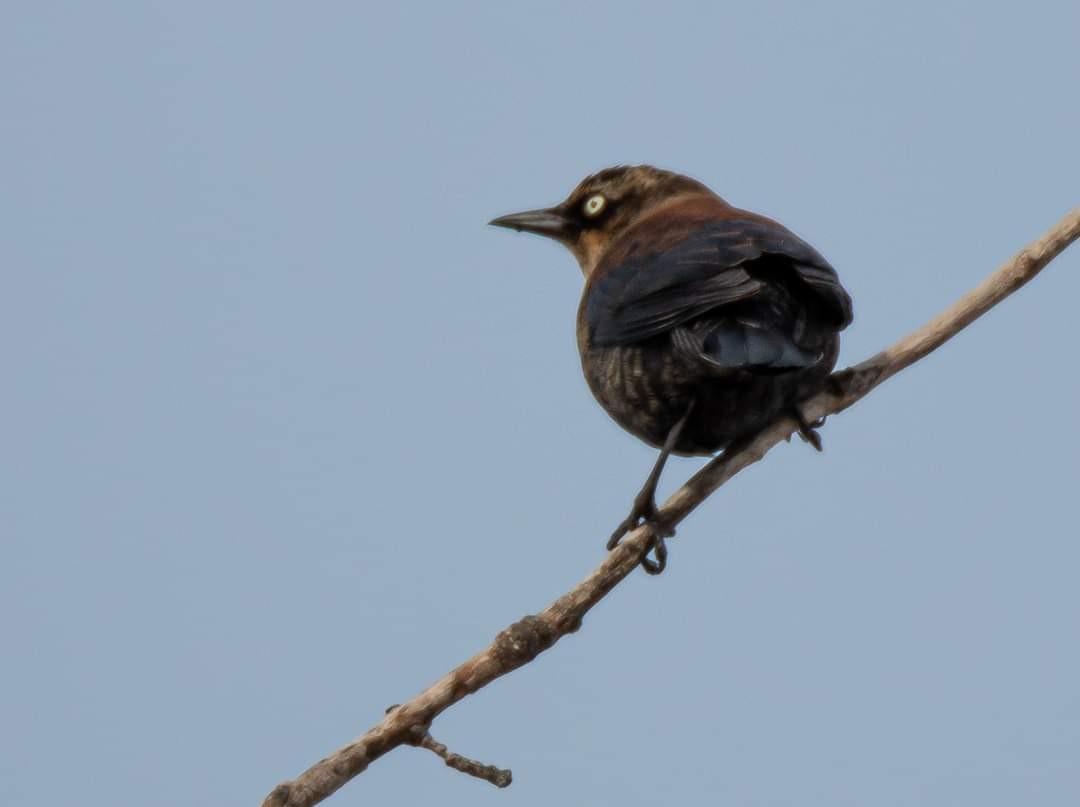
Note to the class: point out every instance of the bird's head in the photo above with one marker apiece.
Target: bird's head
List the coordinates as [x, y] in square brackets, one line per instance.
[604, 206]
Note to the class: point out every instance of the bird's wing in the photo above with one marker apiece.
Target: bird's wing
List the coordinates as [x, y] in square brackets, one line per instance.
[721, 262]
[750, 343]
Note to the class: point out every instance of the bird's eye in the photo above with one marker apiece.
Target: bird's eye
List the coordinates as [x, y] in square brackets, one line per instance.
[594, 205]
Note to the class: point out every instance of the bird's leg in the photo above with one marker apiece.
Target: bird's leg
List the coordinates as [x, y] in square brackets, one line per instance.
[808, 430]
[644, 508]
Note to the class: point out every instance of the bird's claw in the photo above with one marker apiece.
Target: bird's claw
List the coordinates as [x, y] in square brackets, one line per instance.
[658, 546]
[808, 429]
[646, 513]
[628, 524]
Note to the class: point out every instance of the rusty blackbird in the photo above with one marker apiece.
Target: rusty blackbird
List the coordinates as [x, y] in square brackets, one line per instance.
[699, 323]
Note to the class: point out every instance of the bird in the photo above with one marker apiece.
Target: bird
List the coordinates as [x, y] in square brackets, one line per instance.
[699, 323]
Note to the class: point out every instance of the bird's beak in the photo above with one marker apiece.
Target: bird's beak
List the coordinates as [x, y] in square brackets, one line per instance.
[550, 222]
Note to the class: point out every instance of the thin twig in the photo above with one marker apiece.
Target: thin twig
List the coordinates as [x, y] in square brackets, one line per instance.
[489, 773]
[421, 738]
[524, 640]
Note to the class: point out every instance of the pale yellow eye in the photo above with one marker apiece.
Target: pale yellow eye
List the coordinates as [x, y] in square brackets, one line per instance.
[594, 205]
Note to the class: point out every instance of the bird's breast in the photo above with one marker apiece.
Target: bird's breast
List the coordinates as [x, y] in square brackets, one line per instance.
[645, 386]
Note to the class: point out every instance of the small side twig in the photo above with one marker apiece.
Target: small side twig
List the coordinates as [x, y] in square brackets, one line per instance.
[489, 773]
[420, 736]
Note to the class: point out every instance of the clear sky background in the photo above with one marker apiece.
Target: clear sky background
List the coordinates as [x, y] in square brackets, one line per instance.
[288, 431]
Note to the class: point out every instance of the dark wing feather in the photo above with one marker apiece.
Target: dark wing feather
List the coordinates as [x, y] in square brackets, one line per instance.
[805, 264]
[754, 341]
[650, 294]
[731, 343]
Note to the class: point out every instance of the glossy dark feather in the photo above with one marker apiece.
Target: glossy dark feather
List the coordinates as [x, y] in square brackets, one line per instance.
[721, 262]
[751, 343]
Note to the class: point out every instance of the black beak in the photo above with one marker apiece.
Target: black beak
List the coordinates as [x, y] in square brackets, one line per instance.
[550, 222]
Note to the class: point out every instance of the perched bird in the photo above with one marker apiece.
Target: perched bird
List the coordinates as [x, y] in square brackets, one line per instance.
[699, 324]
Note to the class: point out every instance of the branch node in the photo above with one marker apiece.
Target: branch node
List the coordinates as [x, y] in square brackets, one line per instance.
[571, 624]
[854, 382]
[523, 641]
[279, 796]
[840, 382]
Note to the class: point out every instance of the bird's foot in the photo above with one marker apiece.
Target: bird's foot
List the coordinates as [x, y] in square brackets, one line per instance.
[646, 512]
[808, 429]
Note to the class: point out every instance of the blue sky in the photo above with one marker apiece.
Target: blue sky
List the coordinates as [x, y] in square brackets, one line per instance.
[290, 431]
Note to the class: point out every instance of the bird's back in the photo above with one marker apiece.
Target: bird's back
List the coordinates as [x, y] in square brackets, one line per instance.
[704, 302]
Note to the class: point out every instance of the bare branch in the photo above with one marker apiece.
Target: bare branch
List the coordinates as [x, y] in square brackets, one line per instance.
[524, 640]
